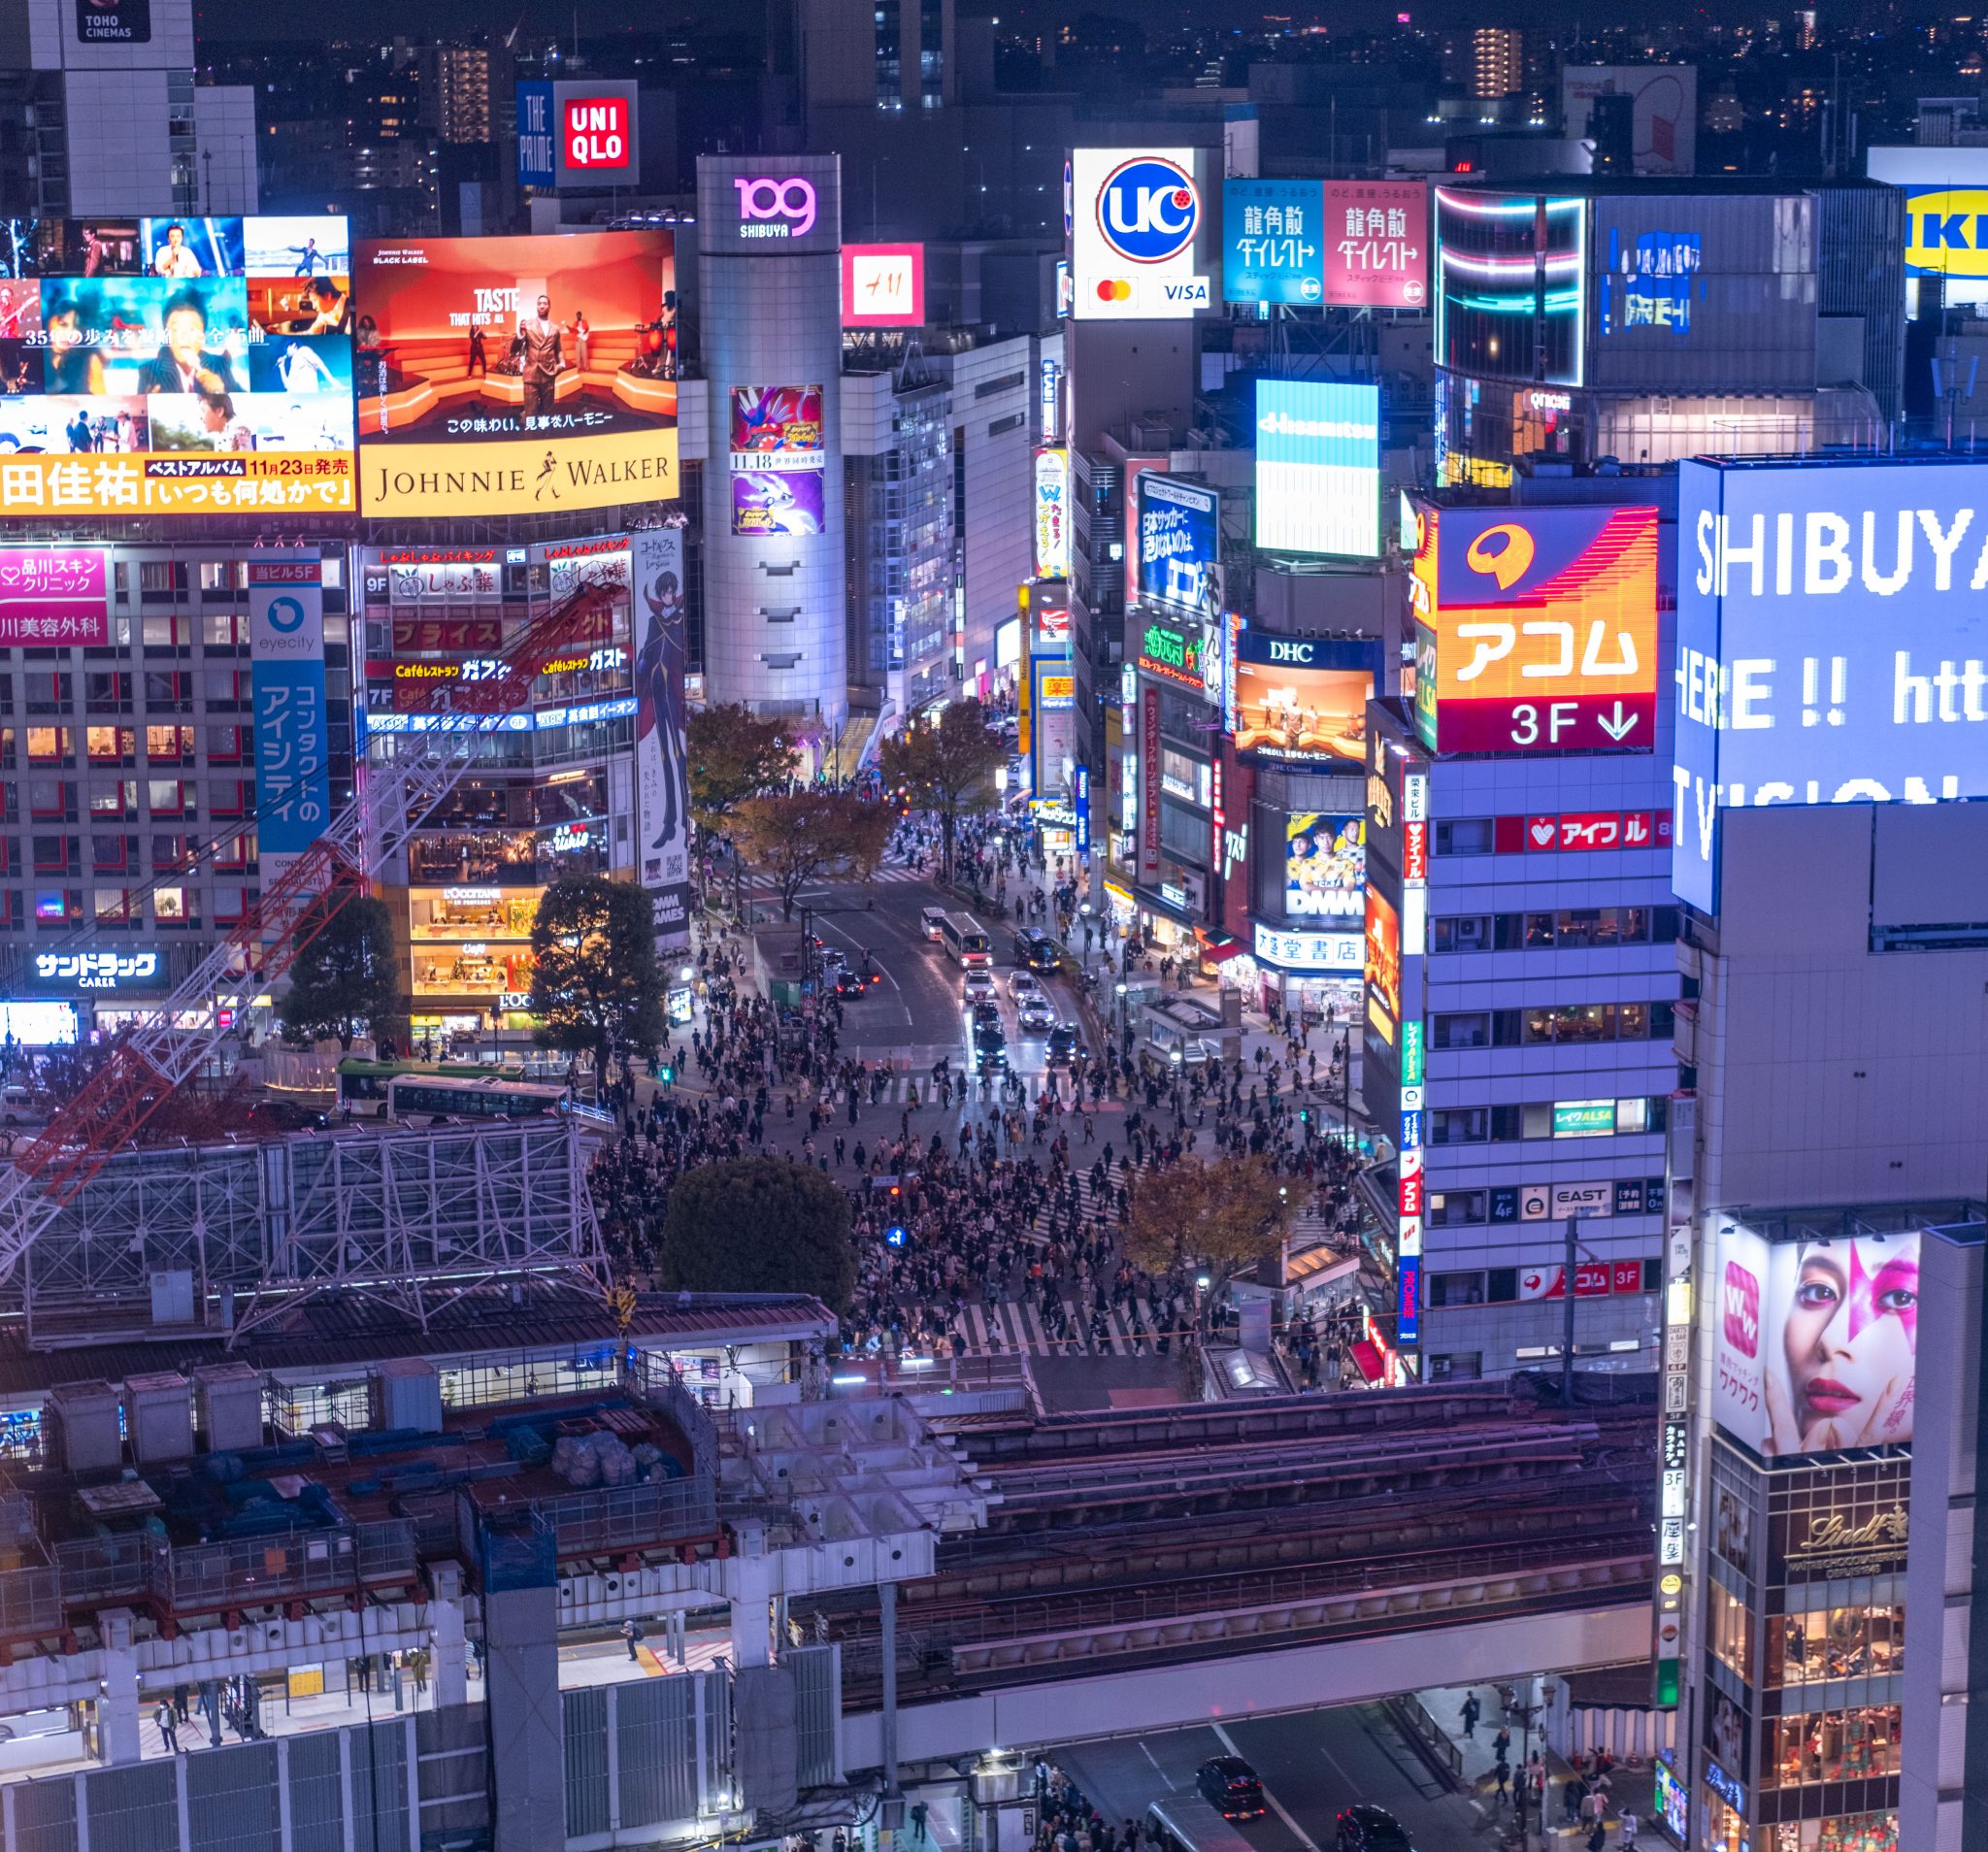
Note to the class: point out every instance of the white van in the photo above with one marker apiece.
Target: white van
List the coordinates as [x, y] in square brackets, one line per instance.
[933, 920]
[20, 1106]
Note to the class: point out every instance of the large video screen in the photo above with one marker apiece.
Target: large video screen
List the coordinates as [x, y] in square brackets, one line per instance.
[1325, 867]
[176, 366]
[518, 376]
[1302, 700]
[1816, 1343]
[1179, 546]
[778, 465]
[1830, 636]
[1510, 285]
[1318, 467]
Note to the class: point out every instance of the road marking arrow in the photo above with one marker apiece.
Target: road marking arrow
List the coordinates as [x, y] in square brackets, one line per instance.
[1618, 724]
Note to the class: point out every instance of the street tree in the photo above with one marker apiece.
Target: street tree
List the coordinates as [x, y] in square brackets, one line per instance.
[1213, 1218]
[734, 754]
[947, 766]
[344, 975]
[805, 837]
[759, 1225]
[596, 985]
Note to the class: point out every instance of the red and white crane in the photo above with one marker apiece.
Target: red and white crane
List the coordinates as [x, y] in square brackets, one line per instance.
[158, 1055]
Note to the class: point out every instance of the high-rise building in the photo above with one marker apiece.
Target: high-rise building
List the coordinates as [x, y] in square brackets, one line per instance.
[108, 117]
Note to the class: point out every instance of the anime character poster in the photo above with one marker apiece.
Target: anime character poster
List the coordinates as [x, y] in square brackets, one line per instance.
[662, 787]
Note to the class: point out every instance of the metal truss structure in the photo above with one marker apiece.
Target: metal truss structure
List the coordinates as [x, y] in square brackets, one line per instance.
[405, 1218]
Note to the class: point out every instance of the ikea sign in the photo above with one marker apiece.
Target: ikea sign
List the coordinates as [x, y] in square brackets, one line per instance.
[1946, 231]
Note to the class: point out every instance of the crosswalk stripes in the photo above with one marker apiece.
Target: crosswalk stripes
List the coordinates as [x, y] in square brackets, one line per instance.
[888, 872]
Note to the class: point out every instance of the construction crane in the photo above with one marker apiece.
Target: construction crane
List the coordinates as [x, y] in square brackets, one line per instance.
[157, 1055]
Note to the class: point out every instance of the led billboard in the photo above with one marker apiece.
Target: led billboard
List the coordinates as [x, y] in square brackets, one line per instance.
[1384, 967]
[518, 376]
[1325, 867]
[1535, 629]
[176, 366]
[1179, 546]
[1832, 642]
[1816, 1343]
[573, 135]
[1302, 700]
[1663, 111]
[778, 461]
[1510, 285]
[1053, 514]
[1318, 467]
[883, 285]
[1135, 221]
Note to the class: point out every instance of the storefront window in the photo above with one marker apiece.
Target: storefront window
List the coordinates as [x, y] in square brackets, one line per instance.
[1835, 1642]
[1831, 1745]
[1731, 1627]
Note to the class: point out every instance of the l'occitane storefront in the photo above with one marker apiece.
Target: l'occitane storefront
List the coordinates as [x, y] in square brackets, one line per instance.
[470, 957]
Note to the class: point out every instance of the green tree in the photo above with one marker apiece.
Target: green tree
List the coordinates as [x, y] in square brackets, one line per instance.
[947, 766]
[595, 980]
[344, 975]
[1215, 1218]
[759, 1225]
[734, 755]
[810, 836]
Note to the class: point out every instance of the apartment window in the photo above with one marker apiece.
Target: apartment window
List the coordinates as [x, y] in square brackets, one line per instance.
[231, 797]
[166, 689]
[1458, 1125]
[48, 798]
[50, 746]
[1455, 1208]
[111, 906]
[170, 853]
[115, 800]
[227, 691]
[154, 575]
[168, 632]
[106, 691]
[231, 905]
[223, 629]
[13, 914]
[58, 906]
[1461, 933]
[50, 854]
[110, 854]
[1469, 1030]
[45, 692]
[1456, 1289]
[1007, 382]
[235, 851]
[110, 745]
[169, 906]
[166, 796]
[1464, 835]
[227, 746]
[169, 746]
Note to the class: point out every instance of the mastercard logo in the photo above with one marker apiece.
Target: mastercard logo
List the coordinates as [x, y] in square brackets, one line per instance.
[1114, 289]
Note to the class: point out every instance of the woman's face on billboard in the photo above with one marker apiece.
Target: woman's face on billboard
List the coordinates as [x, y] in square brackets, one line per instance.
[1850, 1339]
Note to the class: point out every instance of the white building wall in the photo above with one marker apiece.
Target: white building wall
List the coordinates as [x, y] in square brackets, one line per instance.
[994, 417]
[117, 142]
[224, 142]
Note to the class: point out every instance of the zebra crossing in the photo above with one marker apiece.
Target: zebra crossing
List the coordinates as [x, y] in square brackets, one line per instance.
[893, 872]
[1017, 1325]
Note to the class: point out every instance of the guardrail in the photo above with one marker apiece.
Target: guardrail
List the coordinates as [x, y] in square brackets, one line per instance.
[632, 1517]
[1430, 1736]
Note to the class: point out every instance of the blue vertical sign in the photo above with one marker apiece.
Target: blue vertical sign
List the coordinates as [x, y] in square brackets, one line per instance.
[1083, 810]
[538, 145]
[292, 737]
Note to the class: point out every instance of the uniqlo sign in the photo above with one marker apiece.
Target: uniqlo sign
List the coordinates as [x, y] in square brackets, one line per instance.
[595, 133]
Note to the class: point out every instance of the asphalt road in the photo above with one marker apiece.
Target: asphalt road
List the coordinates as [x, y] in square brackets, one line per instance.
[1311, 1764]
[918, 1009]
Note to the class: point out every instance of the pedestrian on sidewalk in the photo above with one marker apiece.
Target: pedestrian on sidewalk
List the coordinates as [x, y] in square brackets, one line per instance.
[1473, 1711]
[1573, 1792]
[631, 1633]
[1626, 1828]
[169, 1727]
[1501, 1744]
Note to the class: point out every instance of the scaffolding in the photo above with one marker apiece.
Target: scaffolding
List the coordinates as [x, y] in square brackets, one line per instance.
[229, 1236]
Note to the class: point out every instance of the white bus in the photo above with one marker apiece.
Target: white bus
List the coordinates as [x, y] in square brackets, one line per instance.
[966, 944]
[1186, 1823]
[418, 1096]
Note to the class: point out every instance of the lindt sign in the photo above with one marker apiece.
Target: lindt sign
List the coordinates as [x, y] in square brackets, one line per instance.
[776, 207]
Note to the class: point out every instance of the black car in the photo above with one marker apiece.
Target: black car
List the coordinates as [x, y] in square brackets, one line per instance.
[1037, 951]
[1066, 1046]
[1372, 1829]
[1229, 1785]
[986, 1015]
[851, 984]
[990, 1045]
[286, 1115]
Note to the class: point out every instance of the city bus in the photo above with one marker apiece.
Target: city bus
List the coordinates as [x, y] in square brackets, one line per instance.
[425, 1095]
[1186, 1823]
[966, 944]
[362, 1084]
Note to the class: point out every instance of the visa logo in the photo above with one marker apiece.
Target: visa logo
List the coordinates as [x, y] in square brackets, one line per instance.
[1193, 290]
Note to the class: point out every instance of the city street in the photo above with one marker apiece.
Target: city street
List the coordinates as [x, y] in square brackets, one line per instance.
[1312, 1764]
